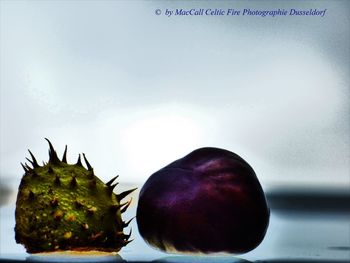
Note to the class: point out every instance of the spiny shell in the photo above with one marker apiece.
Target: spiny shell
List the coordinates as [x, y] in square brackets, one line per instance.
[63, 206]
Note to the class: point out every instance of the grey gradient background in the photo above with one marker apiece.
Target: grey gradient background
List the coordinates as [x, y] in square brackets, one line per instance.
[135, 91]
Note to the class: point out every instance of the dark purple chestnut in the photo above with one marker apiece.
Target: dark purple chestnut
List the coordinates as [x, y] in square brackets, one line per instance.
[208, 201]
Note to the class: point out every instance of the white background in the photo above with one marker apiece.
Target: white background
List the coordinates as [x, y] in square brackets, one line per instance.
[135, 91]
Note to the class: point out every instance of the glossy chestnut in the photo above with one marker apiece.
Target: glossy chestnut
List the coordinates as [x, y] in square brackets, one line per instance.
[208, 201]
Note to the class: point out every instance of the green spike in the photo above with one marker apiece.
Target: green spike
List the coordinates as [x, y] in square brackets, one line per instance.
[112, 180]
[31, 195]
[125, 224]
[52, 154]
[34, 162]
[87, 163]
[127, 242]
[79, 161]
[125, 193]
[126, 237]
[125, 206]
[73, 182]
[64, 158]
[28, 168]
[92, 183]
[114, 208]
[24, 168]
[111, 187]
[57, 180]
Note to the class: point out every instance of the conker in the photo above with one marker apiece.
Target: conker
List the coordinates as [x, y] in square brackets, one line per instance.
[208, 201]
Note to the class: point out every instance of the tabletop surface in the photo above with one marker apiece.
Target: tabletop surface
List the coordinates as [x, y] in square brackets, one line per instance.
[304, 227]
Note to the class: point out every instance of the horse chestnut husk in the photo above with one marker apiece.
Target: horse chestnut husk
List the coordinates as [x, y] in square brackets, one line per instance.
[208, 201]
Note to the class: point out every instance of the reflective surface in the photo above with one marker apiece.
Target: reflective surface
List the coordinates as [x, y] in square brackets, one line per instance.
[297, 233]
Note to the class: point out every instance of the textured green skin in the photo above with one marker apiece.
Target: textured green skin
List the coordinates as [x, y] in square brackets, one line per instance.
[56, 216]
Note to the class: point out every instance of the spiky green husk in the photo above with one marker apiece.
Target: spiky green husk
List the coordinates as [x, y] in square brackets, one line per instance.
[66, 207]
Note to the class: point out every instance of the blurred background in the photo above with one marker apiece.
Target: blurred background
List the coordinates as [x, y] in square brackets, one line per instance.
[135, 91]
